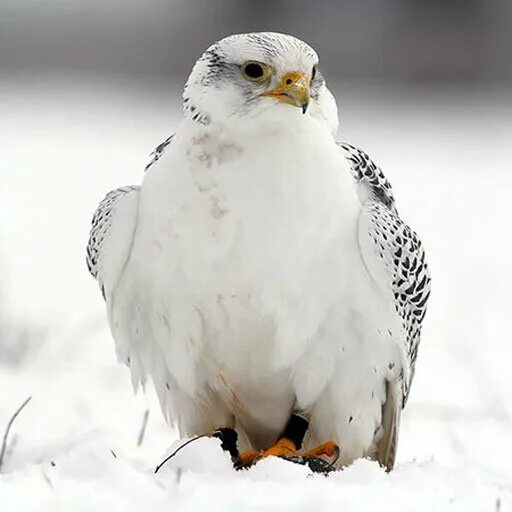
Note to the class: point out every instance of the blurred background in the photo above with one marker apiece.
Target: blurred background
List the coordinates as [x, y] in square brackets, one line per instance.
[396, 40]
[88, 88]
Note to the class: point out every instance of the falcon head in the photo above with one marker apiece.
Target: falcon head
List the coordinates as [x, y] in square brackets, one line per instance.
[266, 74]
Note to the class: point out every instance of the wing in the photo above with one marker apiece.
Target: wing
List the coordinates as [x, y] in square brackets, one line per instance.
[406, 273]
[111, 235]
[398, 260]
[159, 151]
[390, 425]
[394, 257]
[113, 225]
[108, 251]
[372, 183]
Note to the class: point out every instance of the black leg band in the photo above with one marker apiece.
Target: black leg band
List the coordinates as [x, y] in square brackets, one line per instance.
[228, 440]
[295, 429]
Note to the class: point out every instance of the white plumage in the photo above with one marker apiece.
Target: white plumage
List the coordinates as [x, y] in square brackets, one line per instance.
[249, 276]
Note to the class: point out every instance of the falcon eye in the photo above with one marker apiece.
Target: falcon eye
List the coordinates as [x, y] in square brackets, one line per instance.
[256, 71]
[313, 72]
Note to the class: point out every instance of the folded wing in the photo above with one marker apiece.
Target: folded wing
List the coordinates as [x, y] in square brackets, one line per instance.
[111, 237]
[395, 259]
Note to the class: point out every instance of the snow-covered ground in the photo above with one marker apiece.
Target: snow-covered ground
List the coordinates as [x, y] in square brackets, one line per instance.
[65, 143]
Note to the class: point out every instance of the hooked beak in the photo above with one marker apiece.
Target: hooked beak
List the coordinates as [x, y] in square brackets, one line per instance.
[292, 89]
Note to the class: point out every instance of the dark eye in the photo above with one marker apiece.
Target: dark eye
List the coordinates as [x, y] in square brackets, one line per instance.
[256, 71]
[313, 72]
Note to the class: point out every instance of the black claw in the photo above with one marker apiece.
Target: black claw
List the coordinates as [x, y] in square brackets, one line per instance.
[315, 464]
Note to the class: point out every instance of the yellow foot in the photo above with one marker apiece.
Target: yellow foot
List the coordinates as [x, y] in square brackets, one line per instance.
[286, 448]
[329, 449]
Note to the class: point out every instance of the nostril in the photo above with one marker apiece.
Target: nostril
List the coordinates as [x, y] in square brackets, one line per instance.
[289, 81]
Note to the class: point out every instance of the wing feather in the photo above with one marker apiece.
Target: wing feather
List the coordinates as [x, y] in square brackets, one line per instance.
[111, 236]
[392, 251]
[395, 258]
[387, 444]
[159, 151]
[109, 247]
[368, 176]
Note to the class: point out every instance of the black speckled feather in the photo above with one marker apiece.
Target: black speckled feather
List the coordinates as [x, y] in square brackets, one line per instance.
[399, 248]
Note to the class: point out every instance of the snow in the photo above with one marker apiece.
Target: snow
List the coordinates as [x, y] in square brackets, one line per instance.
[65, 143]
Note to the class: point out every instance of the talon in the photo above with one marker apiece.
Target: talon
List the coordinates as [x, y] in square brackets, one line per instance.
[286, 449]
[328, 449]
[283, 448]
[246, 459]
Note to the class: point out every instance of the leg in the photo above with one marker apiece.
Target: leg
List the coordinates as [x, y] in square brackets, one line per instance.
[288, 445]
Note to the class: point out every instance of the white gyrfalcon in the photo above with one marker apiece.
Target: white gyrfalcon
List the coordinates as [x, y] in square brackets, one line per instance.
[260, 275]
